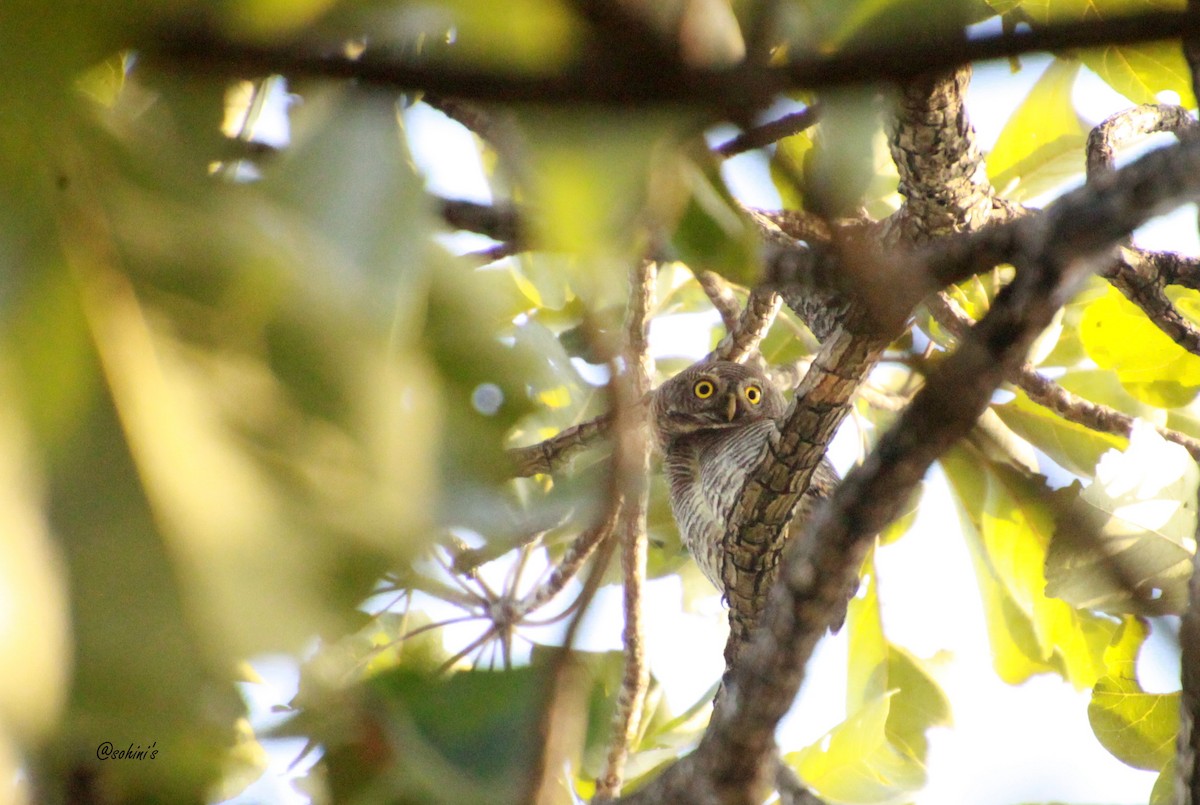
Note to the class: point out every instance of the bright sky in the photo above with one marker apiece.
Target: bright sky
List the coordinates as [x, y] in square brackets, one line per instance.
[1008, 745]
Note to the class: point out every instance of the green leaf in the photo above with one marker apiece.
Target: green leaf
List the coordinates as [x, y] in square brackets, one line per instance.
[787, 163]
[35, 643]
[1042, 144]
[1074, 447]
[878, 753]
[465, 738]
[1152, 367]
[857, 763]
[1124, 543]
[850, 166]
[1011, 525]
[1140, 71]
[1136, 727]
[713, 234]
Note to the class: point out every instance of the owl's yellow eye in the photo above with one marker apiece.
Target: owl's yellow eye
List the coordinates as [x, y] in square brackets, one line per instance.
[754, 394]
[703, 389]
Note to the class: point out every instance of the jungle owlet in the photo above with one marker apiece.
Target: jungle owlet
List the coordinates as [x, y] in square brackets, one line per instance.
[714, 421]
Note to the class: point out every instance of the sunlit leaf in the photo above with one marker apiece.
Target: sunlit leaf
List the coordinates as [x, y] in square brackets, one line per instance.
[1139, 71]
[1126, 541]
[35, 637]
[1075, 447]
[1041, 145]
[1137, 727]
[878, 753]
[856, 762]
[1118, 335]
[1011, 526]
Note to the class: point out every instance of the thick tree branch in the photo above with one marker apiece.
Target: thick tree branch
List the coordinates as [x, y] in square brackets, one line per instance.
[1058, 247]
[619, 81]
[942, 174]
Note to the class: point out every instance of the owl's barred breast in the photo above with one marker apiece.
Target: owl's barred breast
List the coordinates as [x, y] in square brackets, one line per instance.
[707, 471]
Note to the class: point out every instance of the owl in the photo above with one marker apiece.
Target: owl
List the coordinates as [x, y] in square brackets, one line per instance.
[714, 422]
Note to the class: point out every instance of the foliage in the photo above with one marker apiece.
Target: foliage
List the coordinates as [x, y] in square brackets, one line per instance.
[250, 394]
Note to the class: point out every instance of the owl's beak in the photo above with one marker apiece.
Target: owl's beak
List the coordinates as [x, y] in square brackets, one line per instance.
[730, 407]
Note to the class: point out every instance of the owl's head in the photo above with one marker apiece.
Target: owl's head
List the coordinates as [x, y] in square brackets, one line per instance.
[719, 394]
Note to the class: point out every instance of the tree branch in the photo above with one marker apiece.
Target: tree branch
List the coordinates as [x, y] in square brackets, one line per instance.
[761, 308]
[722, 298]
[599, 79]
[1134, 276]
[632, 465]
[767, 133]
[1058, 248]
[942, 174]
[547, 456]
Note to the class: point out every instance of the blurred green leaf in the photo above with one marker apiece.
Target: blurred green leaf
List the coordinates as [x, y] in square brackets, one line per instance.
[1074, 447]
[713, 233]
[850, 168]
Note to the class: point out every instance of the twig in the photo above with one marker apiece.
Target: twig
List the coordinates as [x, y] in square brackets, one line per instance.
[570, 564]
[493, 220]
[1128, 125]
[633, 468]
[761, 307]
[722, 298]
[1173, 268]
[1047, 393]
[1135, 277]
[768, 133]
[546, 456]
[540, 779]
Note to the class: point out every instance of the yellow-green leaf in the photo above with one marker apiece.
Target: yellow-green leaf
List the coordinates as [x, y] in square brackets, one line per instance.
[1138, 728]
[1042, 143]
[1117, 335]
[1125, 542]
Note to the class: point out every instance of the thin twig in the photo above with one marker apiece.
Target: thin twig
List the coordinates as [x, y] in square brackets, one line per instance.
[633, 468]
[761, 308]
[722, 298]
[570, 564]
[1129, 125]
[1047, 393]
[1133, 275]
[548, 455]
[768, 133]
